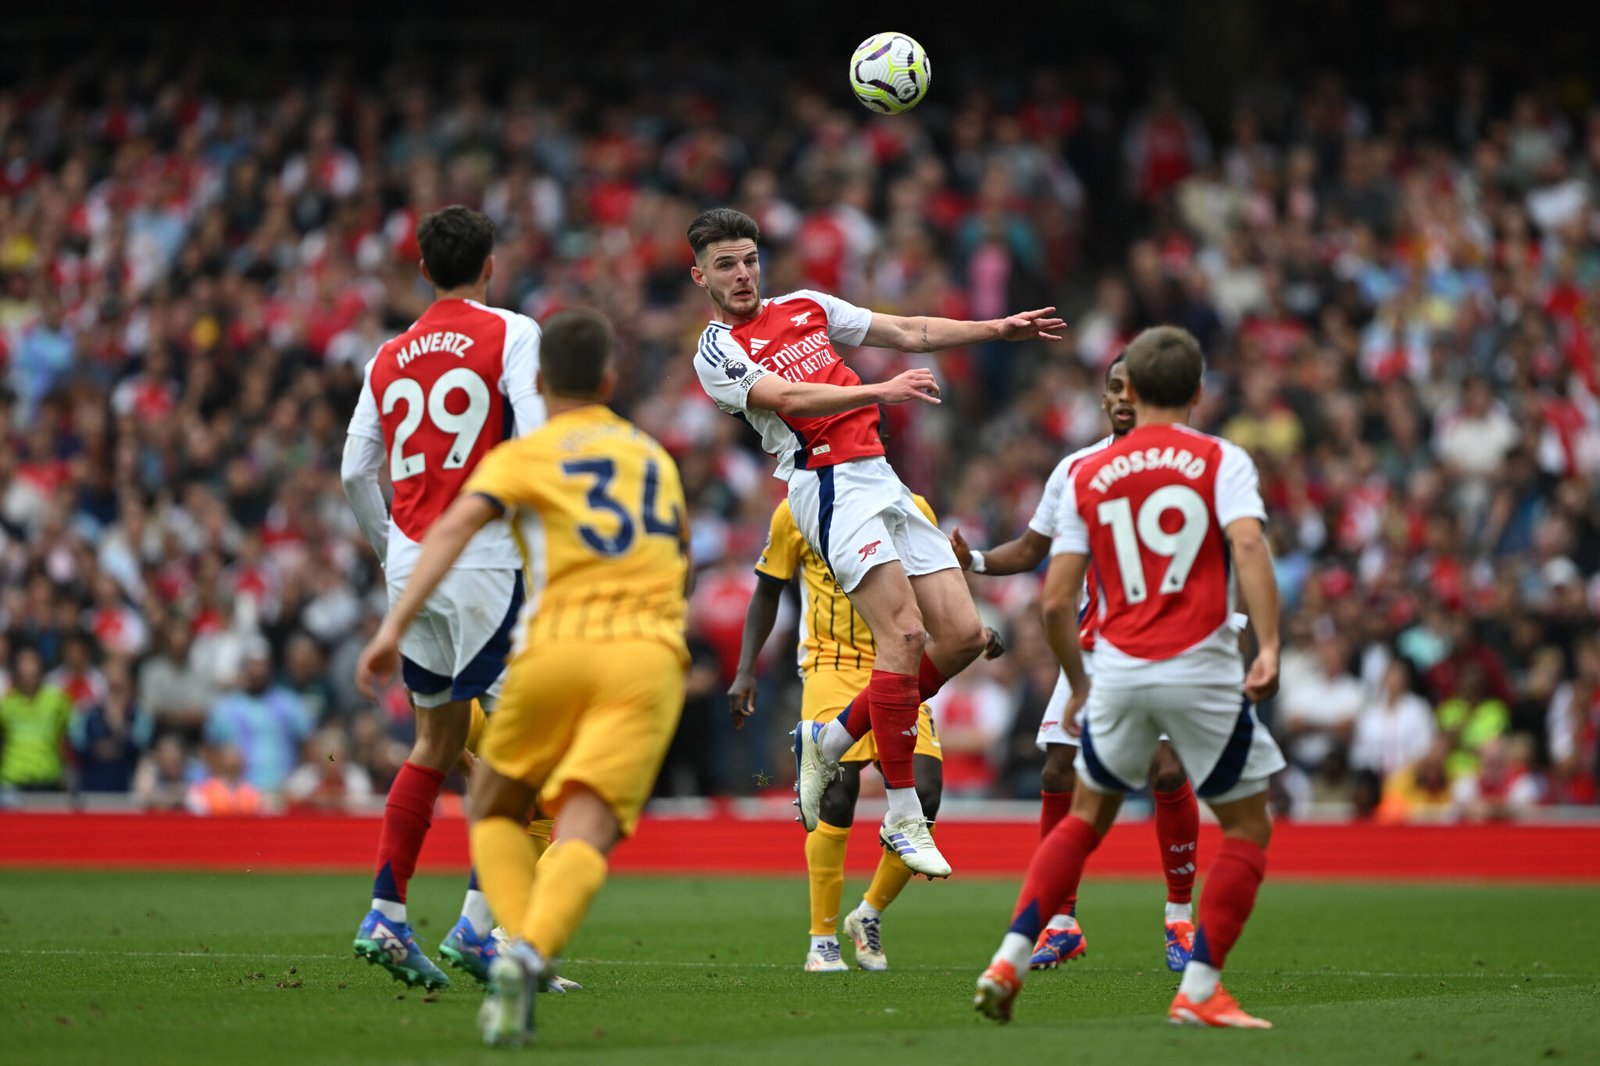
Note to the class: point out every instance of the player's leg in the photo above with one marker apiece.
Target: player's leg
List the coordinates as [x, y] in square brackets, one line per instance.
[1232, 756]
[825, 851]
[1117, 739]
[485, 607]
[1177, 833]
[1062, 939]
[384, 936]
[955, 631]
[864, 924]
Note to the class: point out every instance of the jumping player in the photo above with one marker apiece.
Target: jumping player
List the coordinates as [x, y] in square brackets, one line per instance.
[836, 654]
[436, 399]
[1165, 513]
[773, 362]
[596, 684]
[1177, 811]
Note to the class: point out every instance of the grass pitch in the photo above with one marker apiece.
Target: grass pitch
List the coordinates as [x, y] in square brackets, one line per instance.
[121, 968]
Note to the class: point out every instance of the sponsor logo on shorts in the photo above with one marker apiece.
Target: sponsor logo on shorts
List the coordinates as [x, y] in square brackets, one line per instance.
[867, 551]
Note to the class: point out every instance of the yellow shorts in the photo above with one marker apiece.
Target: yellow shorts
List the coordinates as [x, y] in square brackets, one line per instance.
[828, 692]
[597, 715]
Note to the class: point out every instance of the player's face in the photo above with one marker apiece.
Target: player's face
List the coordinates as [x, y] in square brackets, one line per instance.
[730, 272]
[1116, 401]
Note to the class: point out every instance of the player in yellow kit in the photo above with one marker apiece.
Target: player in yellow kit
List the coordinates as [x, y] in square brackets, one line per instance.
[595, 684]
[836, 655]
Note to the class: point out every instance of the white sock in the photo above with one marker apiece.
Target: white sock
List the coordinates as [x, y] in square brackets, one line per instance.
[867, 910]
[395, 912]
[1180, 912]
[1017, 950]
[1063, 921]
[903, 803]
[475, 909]
[820, 943]
[834, 740]
[1199, 981]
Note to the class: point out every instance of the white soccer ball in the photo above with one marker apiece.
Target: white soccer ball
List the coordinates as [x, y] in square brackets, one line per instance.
[889, 73]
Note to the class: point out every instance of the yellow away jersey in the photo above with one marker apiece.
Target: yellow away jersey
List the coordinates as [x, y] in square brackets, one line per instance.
[832, 635]
[597, 509]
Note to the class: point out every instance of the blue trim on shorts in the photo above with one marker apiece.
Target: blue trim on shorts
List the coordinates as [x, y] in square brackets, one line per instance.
[486, 666]
[1225, 775]
[421, 681]
[825, 513]
[1092, 763]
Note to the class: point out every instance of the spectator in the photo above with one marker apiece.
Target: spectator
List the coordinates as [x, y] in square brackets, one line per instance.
[1502, 786]
[1395, 729]
[1419, 792]
[222, 787]
[261, 723]
[109, 736]
[33, 728]
[172, 689]
[1470, 718]
[972, 714]
[326, 780]
[165, 773]
[1318, 714]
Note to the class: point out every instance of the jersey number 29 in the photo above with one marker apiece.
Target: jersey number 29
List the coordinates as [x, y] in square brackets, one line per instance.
[1180, 546]
[466, 426]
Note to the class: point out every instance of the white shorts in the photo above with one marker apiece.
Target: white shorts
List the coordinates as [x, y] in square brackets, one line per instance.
[1052, 728]
[1226, 751]
[857, 514]
[457, 646]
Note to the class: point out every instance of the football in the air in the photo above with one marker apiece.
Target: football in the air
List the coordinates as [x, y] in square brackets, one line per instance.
[889, 73]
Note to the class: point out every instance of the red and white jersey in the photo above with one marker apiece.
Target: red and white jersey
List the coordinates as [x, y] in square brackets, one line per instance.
[792, 336]
[1150, 510]
[438, 397]
[1046, 521]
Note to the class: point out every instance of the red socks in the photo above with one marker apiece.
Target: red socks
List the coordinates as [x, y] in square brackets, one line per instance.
[1177, 830]
[1053, 875]
[1229, 897]
[1052, 808]
[894, 725]
[406, 817]
[929, 679]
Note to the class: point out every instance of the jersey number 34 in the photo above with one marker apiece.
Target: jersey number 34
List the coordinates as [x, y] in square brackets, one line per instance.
[602, 472]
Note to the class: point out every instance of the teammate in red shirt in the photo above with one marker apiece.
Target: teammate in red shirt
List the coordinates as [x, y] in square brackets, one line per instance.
[1177, 811]
[773, 363]
[436, 399]
[1169, 516]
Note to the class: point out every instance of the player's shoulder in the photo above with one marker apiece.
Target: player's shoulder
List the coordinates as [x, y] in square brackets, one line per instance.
[802, 302]
[715, 346]
[1073, 459]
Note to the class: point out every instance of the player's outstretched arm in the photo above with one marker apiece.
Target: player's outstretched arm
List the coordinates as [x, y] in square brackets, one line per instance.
[1258, 585]
[1013, 557]
[1059, 604]
[810, 399]
[441, 547]
[759, 619]
[925, 333]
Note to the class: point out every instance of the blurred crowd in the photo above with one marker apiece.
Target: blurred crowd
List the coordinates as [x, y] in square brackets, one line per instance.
[1396, 290]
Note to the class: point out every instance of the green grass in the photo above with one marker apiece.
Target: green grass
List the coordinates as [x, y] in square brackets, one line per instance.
[121, 969]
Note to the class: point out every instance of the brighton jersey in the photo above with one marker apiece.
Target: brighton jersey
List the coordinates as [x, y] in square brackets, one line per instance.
[1150, 510]
[1046, 521]
[792, 336]
[439, 397]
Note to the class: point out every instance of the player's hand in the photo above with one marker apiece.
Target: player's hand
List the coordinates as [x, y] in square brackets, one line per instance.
[742, 698]
[993, 646]
[1261, 682]
[918, 384]
[378, 662]
[1073, 711]
[958, 544]
[1032, 325]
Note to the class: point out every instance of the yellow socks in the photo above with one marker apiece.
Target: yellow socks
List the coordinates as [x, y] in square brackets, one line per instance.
[825, 864]
[570, 876]
[505, 861]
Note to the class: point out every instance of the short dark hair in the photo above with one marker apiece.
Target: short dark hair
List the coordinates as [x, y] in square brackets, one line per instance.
[455, 242]
[575, 352]
[1165, 365]
[1122, 357]
[721, 224]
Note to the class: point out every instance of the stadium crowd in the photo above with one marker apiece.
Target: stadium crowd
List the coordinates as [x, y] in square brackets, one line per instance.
[1397, 293]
